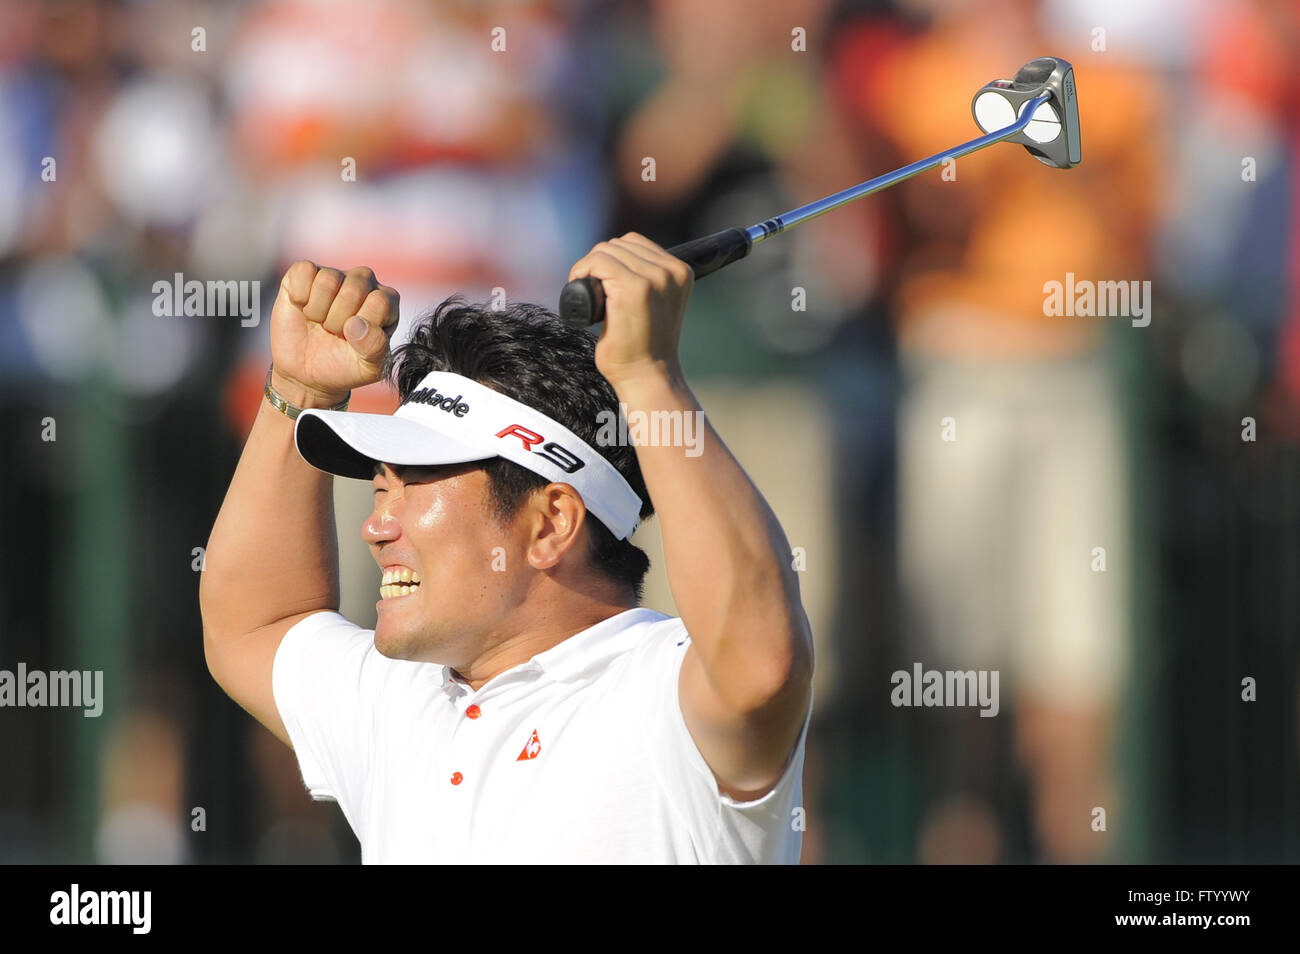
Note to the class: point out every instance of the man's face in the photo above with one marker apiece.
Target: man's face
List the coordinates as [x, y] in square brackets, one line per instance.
[435, 525]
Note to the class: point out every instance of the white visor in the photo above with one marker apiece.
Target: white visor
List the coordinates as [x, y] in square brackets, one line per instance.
[450, 419]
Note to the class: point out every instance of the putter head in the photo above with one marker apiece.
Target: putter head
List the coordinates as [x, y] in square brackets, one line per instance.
[1052, 136]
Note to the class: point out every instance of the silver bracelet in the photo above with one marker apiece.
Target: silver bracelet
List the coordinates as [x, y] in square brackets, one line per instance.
[289, 410]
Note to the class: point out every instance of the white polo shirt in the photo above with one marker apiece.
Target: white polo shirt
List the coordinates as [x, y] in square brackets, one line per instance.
[579, 755]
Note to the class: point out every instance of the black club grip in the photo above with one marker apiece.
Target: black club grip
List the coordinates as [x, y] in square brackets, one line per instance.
[582, 302]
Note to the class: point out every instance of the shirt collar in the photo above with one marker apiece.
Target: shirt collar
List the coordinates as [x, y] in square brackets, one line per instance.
[578, 653]
[596, 644]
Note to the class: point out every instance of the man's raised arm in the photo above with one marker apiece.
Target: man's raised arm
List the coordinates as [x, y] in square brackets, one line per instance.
[272, 557]
[746, 681]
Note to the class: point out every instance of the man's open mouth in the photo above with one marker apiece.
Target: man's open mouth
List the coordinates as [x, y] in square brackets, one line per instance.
[397, 582]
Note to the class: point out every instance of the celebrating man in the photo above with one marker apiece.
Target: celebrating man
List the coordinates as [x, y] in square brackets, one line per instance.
[513, 703]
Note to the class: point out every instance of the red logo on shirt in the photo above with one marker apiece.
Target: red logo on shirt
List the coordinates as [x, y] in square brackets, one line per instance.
[531, 748]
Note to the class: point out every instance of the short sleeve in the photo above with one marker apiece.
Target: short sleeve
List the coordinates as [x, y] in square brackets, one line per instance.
[326, 678]
[765, 830]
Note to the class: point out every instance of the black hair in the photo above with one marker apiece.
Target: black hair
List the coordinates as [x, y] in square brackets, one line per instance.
[527, 353]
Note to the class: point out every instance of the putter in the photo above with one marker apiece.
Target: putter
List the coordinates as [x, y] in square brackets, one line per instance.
[1038, 109]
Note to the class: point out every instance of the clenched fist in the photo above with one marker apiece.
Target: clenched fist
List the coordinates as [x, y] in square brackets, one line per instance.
[329, 333]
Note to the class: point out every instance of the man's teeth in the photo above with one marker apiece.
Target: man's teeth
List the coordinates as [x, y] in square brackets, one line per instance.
[399, 581]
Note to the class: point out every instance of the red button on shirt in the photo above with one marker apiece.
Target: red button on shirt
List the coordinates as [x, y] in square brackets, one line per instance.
[473, 712]
[457, 779]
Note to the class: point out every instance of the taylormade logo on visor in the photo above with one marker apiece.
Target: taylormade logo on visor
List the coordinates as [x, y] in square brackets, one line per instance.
[430, 396]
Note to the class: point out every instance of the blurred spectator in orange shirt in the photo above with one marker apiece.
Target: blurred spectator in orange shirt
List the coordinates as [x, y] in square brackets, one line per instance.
[1011, 460]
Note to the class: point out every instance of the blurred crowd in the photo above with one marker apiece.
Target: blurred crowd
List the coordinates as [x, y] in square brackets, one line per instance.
[970, 483]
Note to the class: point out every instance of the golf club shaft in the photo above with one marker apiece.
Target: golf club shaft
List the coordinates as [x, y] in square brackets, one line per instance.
[582, 303]
[774, 226]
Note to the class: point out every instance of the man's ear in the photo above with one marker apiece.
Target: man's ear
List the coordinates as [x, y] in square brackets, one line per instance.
[556, 515]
